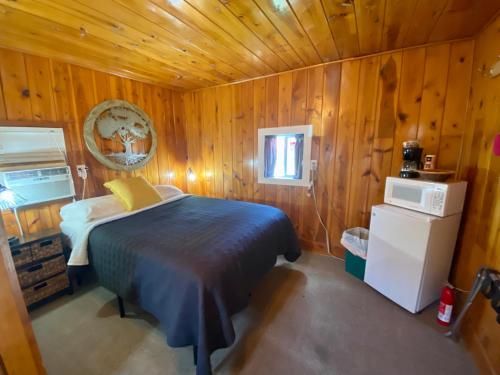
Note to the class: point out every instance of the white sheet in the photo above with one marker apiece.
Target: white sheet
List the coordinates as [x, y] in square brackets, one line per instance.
[78, 231]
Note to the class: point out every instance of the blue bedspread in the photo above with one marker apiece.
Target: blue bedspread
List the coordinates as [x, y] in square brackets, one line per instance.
[192, 263]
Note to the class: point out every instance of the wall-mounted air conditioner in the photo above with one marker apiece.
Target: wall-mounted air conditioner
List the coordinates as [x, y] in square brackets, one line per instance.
[40, 184]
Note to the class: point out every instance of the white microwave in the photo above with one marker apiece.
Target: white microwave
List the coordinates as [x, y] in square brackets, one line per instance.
[435, 198]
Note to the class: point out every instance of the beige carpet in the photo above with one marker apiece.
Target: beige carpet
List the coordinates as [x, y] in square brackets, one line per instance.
[305, 318]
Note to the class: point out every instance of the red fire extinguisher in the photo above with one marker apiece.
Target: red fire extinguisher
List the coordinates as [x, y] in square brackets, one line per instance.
[446, 306]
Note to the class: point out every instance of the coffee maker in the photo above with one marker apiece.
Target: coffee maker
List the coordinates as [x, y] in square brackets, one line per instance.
[412, 155]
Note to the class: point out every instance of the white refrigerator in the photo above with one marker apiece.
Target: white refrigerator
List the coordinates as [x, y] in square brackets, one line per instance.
[409, 254]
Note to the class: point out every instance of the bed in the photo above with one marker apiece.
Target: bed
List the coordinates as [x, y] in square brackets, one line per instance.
[192, 262]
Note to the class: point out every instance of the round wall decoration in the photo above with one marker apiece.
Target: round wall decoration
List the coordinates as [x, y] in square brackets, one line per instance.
[120, 135]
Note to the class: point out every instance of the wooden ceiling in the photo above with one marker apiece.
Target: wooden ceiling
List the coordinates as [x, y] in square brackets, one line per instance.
[199, 43]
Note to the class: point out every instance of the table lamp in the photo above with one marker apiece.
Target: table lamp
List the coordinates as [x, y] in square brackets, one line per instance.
[10, 200]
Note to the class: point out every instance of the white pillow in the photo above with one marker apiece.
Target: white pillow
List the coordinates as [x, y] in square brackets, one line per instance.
[168, 191]
[92, 209]
[105, 206]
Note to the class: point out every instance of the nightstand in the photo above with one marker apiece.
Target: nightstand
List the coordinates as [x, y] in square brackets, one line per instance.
[41, 266]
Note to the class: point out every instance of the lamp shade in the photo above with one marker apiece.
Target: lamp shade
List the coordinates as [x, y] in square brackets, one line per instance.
[9, 198]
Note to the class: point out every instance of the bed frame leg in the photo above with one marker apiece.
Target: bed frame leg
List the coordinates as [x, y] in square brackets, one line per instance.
[121, 307]
[195, 354]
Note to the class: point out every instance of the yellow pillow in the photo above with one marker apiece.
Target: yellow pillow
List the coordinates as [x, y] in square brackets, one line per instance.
[134, 193]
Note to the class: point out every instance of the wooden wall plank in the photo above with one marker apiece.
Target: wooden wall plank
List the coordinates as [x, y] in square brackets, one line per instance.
[298, 114]
[15, 85]
[408, 108]
[314, 104]
[272, 108]
[344, 152]
[40, 84]
[359, 211]
[259, 121]
[326, 165]
[433, 97]
[383, 143]
[457, 98]
[225, 119]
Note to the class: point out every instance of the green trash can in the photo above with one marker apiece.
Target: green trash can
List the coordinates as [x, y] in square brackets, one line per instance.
[355, 241]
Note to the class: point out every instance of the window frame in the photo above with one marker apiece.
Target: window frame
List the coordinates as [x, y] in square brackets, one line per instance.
[307, 131]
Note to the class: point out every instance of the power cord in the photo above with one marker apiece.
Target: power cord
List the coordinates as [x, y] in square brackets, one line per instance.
[82, 173]
[312, 189]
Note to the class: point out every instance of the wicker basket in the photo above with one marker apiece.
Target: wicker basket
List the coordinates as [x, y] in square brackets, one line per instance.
[22, 255]
[46, 248]
[40, 271]
[45, 289]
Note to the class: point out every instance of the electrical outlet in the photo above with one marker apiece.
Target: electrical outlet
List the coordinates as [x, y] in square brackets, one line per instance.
[82, 169]
[314, 165]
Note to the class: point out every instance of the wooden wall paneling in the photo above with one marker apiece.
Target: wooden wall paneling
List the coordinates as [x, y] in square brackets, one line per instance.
[285, 82]
[84, 98]
[180, 153]
[191, 102]
[247, 137]
[208, 129]
[361, 111]
[40, 86]
[225, 120]
[341, 18]
[358, 211]
[3, 111]
[408, 107]
[63, 97]
[344, 151]
[433, 97]
[328, 141]
[102, 92]
[15, 85]
[164, 125]
[314, 104]
[457, 98]
[217, 142]
[60, 92]
[115, 85]
[152, 166]
[239, 113]
[298, 116]
[272, 109]
[383, 143]
[370, 17]
[259, 121]
[312, 17]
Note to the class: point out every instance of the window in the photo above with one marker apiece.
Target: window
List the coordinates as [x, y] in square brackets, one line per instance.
[284, 155]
